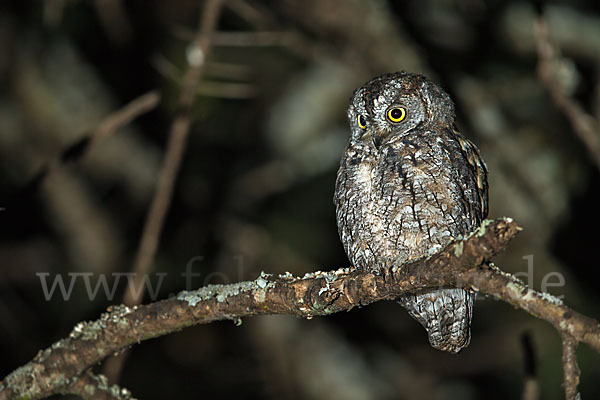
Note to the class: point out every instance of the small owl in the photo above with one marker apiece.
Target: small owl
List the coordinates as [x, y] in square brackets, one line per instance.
[408, 184]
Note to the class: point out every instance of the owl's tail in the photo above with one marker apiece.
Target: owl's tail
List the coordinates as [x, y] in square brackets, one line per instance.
[445, 314]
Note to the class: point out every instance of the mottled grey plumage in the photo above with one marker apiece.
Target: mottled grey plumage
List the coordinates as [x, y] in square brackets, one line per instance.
[408, 187]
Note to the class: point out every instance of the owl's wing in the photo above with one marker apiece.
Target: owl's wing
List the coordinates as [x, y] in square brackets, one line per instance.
[479, 170]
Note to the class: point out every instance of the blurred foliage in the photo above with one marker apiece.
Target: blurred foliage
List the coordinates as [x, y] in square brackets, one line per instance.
[255, 189]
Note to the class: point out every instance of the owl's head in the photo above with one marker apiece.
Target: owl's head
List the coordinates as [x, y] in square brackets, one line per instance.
[390, 106]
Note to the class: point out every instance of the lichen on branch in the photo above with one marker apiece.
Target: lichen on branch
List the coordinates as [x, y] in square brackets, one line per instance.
[462, 263]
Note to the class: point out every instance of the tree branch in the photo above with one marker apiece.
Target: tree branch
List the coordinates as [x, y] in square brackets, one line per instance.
[176, 145]
[531, 387]
[107, 127]
[91, 386]
[463, 263]
[570, 367]
[585, 126]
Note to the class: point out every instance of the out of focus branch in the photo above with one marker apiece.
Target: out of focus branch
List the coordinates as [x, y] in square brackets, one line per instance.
[176, 145]
[531, 388]
[178, 133]
[463, 263]
[231, 90]
[587, 129]
[114, 20]
[585, 126]
[108, 126]
[125, 115]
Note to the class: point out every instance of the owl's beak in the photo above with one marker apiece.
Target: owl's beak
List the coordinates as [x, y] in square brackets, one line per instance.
[379, 136]
[376, 140]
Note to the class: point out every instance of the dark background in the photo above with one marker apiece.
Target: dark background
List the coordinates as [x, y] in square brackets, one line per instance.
[256, 185]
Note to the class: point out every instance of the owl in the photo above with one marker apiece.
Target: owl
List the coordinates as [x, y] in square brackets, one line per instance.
[408, 184]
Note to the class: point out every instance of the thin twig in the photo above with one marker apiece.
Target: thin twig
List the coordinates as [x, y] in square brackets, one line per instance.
[175, 148]
[107, 127]
[222, 70]
[245, 38]
[91, 386]
[531, 387]
[114, 20]
[463, 263]
[230, 90]
[253, 13]
[227, 90]
[570, 368]
[263, 20]
[125, 115]
[168, 174]
[53, 12]
[585, 126]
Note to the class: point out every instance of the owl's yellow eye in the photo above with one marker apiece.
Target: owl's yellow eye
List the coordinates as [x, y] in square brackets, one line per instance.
[362, 123]
[396, 114]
